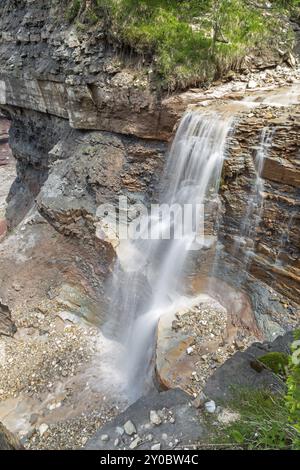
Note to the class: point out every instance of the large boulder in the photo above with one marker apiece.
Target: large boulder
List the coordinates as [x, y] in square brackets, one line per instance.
[242, 371]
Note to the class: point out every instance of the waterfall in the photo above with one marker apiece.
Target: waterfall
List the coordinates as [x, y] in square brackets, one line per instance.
[149, 281]
[255, 205]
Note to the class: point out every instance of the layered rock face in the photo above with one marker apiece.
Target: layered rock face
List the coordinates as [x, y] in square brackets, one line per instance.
[87, 129]
[273, 247]
[7, 173]
[52, 66]
[49, 66]
[32, 136]
[68, 174]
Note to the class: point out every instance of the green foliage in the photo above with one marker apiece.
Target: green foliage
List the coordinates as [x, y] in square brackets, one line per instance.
[191, 41]
[73, 10]
[293, 394]
[268, 421]
[275, 361]
[263, 423]
[286, 4]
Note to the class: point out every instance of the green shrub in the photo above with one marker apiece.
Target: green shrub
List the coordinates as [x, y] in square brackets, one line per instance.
[276, 362]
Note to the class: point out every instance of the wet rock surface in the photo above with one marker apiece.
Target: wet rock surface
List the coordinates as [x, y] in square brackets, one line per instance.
[49, 368]
[60, 258]
[56, 68]
[173, 420]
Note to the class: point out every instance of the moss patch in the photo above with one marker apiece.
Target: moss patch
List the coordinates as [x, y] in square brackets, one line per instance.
[275, 361]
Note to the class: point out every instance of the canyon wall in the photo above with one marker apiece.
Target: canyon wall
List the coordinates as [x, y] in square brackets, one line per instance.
[50, 66]
[88, 128]
[275, 246]
[265, 262]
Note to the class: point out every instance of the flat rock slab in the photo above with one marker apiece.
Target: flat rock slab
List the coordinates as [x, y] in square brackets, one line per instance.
[238, 371]
[180, 424]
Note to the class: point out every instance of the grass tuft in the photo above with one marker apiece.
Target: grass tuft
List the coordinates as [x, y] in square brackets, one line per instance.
[191, 42]
[263, 424]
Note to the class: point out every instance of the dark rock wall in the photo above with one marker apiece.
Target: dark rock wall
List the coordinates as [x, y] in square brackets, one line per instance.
[48, 65]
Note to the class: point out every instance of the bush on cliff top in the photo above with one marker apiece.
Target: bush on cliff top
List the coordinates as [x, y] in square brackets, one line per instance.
[191, 41]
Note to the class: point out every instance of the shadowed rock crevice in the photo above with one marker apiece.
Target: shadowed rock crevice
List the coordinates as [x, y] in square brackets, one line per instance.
[9, 441]
[7, 326]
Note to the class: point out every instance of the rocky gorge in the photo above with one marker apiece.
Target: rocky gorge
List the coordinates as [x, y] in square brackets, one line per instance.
[85, 128]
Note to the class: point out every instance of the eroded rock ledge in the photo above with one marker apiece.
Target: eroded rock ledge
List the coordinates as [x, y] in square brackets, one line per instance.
[274, 248]
[50, 66]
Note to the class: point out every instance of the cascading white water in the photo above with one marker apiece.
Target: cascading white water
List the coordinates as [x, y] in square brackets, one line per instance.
[256, 202]
[150, 282]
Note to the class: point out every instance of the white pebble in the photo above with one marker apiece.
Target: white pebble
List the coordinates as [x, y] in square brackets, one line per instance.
[210, 406]
[43, 428]
[129, 428]
[155, 418]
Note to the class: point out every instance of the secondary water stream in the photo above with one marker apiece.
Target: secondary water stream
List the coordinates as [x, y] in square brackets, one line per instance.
[256, 201]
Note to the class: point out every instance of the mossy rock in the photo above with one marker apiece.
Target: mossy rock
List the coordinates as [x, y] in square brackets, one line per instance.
[275, 361]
